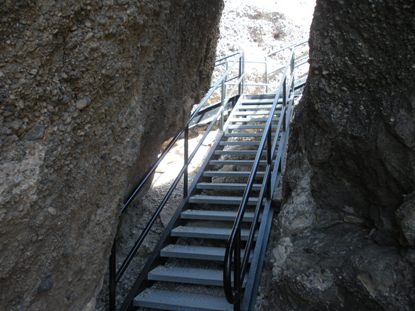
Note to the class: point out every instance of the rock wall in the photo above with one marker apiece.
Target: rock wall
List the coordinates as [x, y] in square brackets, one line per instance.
[344, 239]
[89, 90]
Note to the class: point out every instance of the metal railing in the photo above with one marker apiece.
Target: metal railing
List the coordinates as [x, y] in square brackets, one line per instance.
[235, 267]
[115, 275]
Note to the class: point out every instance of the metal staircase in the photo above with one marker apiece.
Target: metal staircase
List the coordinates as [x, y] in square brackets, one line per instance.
[210, 255]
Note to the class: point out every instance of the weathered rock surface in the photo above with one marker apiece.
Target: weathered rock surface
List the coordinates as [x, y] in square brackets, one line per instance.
[344, 239]
[88, 90]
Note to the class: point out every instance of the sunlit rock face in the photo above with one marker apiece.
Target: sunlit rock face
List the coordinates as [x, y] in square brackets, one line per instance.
[89, 90]
[344, 238]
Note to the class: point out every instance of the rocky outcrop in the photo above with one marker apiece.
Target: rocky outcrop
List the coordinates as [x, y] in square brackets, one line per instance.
[89, 90]
[344, 238]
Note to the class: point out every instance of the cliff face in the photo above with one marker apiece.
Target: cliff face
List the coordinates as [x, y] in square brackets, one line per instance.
[89, 90]
[345, 233]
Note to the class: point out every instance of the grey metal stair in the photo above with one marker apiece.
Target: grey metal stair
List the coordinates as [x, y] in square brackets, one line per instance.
[204, 225]
[214, 215]
[206, 232]
[186, 269]
[179, 301]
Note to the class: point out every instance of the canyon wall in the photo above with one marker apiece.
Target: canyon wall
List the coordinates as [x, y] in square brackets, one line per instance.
[89, 90]
[345, 236]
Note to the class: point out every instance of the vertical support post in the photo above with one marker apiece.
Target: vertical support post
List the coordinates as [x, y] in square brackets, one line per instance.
[112, 277]
[237, 270]
[284, 102]
[241, 72]
[266, 74]
[186, 162]
[223, 99]
[292, 63]
[269, 161]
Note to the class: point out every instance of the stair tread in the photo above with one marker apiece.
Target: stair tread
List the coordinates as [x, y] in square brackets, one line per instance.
[237, 152]
[257, 101]
[247, 119]
[230, 173]
[206, 232]
[225, 186]
[236, 162]
[252, 113]
[175, 300]
[239, 143]
[219, 199]
[245, 127]
[194, 252]
[243, 134]
[214, 214]
[201, 276]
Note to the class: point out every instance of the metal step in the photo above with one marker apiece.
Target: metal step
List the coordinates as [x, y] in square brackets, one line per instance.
[245, 127]
[243, 134]
[194, 252]
[230, 174]
[239, 143]
[214, 215]
[257, 101]
[234, 120]
[237, 152]
[225, 186]
[179, 301]
[251, 113]
[199, 276]
[206, 233]
[236, 162]
[253, 107]
[222, 200]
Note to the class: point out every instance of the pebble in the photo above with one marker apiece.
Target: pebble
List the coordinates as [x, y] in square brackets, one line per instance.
[83, 103]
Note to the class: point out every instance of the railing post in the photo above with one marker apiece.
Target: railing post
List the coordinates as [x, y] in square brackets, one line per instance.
[284, 102]
[111, 280]
[269, 161]
[292, 62]
[186, 162]
[241, 72]
[237, 270]
[223, 97]
[266, 74]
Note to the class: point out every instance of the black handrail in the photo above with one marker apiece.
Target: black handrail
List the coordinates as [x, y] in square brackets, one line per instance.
[233, 279]
[288, 47]
[114, 275]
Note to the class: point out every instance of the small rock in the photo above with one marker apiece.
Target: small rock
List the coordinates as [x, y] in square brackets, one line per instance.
[83, 103]
[16, 124]
[52, 211]
[45, 285]
[353, 219]
[36, 132]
